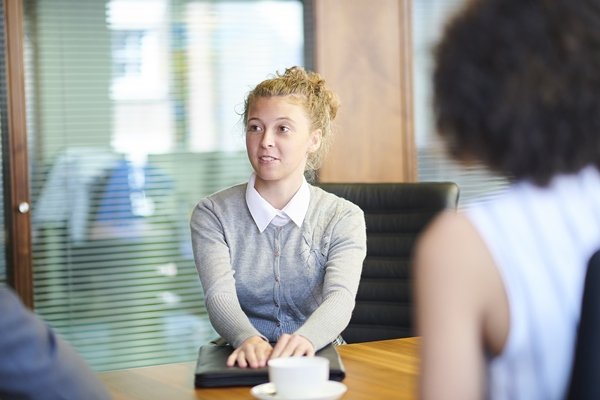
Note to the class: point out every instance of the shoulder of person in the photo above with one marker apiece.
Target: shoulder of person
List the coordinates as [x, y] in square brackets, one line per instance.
[446, 223]
[449, 242]
[452, 250]
[332, 201]
[230, 192]
[230, 196]
[9, 301]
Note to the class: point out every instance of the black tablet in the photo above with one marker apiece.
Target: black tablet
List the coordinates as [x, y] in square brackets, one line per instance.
[212, 371]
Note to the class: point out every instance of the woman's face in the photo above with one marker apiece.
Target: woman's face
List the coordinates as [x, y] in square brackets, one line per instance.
[278, 141]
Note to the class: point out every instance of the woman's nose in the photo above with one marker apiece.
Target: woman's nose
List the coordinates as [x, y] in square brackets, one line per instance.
[268, 139]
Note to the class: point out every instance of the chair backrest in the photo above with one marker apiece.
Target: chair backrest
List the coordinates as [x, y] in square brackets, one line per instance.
[585, 372]
[395, 215]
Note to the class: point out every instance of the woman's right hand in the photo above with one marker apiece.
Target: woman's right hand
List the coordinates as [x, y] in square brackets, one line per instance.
[253, 352]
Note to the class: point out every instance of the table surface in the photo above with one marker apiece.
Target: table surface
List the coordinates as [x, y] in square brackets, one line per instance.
[386, 369]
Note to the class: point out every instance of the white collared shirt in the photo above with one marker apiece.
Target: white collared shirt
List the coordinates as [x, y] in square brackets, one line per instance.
[264, 213]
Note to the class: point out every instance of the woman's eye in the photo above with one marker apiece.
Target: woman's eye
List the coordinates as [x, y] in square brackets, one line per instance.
[253, 129]
[284, 129]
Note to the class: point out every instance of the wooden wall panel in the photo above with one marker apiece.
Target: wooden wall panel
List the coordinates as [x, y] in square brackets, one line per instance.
[363, 49]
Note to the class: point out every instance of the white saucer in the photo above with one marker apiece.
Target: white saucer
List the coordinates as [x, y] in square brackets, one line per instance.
[332, 390]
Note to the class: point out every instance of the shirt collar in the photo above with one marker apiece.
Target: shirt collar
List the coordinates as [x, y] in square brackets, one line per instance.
[263, 213]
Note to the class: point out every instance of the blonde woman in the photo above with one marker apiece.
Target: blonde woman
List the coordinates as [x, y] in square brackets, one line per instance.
[279, 259]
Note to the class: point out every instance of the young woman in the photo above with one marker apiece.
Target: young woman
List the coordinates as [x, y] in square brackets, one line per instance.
[499, 286]
[280, 259]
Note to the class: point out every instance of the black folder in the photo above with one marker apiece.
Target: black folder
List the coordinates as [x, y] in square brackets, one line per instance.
[212, 371]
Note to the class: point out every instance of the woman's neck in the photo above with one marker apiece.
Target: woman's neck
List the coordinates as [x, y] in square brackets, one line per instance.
[278, 194]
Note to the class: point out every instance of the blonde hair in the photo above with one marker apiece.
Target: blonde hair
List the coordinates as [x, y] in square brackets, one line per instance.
[309, 89]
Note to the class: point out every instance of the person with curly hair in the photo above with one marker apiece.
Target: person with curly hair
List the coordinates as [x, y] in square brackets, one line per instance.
[499, 284]
[278, 258]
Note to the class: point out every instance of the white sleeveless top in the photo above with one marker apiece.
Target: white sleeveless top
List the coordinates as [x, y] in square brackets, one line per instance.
[541, 240]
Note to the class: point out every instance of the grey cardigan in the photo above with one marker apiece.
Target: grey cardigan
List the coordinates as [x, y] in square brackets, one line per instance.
[284, 280]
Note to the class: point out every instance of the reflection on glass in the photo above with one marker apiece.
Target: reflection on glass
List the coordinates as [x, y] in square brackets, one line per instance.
[133, 117]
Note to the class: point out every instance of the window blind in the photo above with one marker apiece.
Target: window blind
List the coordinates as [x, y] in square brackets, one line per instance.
[133, 110]
[475, 182]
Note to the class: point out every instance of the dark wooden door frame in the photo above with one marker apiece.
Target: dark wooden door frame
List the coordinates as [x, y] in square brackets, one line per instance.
[14, 156]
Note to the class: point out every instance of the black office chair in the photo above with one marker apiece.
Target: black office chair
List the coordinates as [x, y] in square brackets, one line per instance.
[395, 215]
[585, 372]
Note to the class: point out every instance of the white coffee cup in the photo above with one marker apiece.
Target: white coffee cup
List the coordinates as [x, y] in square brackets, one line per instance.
[297, 378]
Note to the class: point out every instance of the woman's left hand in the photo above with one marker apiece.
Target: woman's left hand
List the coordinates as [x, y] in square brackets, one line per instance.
[292, 345]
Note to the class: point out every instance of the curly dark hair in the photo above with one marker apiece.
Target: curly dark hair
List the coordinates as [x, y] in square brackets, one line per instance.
[517, 86]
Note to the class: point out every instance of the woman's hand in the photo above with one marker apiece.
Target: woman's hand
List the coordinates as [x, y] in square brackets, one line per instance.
[253, 352]
[292, 345]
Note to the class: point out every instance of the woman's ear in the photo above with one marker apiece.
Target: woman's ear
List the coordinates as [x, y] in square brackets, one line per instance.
[315, 140]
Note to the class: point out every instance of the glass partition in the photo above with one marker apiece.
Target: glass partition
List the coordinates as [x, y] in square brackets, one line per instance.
[133, 117]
